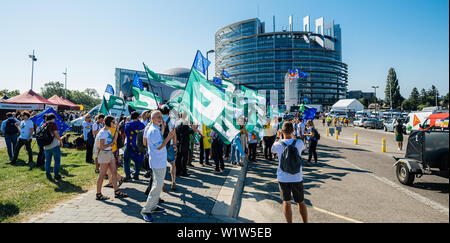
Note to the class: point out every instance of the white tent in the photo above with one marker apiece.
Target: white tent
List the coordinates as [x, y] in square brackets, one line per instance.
[348, 105]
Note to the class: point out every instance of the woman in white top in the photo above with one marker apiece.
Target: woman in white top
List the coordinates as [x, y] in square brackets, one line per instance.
[106, 159]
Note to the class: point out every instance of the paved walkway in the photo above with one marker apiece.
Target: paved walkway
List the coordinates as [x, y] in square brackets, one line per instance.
[193, 202]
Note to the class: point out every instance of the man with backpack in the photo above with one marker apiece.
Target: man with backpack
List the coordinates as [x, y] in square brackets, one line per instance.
[26, 135]
[10, 127]
[52, 147]
[289, 172]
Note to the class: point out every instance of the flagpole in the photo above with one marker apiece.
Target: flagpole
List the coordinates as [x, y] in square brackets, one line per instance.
[151, 86]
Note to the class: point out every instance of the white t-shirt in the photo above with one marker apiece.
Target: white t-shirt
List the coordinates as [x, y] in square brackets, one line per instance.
[25, 127]
[96, 127]
[282, 176]
[157, 158]
[301, 128]
[107, 136]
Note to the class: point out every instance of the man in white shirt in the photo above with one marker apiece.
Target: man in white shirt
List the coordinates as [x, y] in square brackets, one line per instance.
[290, 184]
[158, 163]
[26, 135]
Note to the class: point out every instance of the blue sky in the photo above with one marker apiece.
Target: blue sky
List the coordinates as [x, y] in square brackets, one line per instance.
[92, 38]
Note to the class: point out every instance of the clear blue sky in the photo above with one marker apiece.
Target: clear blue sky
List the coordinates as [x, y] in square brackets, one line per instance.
[92, 38]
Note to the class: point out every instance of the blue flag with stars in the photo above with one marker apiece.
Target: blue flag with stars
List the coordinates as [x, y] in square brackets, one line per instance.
[226, 74]
[201, 63]
[109, 89]
[39, 120]
[137, 82]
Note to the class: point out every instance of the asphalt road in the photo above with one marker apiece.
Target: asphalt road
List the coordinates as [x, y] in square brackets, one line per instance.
[352, 183]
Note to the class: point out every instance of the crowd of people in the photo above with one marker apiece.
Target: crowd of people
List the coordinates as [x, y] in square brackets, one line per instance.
[157, 140]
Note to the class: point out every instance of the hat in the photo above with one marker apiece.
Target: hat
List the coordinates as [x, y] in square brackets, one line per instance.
[165, 109]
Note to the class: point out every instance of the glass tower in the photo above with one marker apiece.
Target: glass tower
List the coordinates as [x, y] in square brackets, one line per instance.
[260, 60]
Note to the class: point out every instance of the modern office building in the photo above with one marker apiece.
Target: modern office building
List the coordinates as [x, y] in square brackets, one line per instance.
[358, 94]
[260, 60]
[125, 77]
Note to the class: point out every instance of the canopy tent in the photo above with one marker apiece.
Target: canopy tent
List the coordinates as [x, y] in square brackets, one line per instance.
[28, 100]
[71, 104]
[348, 105]
[63, 103]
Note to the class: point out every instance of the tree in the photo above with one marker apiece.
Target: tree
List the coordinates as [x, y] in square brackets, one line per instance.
[51, 89]
[393, 88]
[409, 105]
[10, 93]
[365, 102]
[92, 93]
[87, 98]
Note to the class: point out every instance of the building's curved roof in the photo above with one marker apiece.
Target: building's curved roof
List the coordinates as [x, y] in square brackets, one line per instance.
[178, 72]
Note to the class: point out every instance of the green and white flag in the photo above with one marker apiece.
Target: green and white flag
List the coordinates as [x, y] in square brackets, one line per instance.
[152, 76]
[144, 100]
[116, 103]
[206, 104]
[254, 111]
[104, 109]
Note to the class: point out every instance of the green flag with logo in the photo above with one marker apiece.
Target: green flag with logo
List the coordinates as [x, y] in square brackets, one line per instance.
[144, 100]
[152, 76]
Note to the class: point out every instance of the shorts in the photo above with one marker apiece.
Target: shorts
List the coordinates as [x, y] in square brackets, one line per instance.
[105, 156]
[288, 189]
[399, 138]
[170, 154]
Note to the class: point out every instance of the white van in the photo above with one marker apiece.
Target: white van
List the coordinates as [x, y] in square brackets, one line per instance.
[116, 113]
[414, 120]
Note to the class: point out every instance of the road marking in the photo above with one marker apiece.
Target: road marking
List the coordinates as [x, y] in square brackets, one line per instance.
[412, 194]
[337, 215]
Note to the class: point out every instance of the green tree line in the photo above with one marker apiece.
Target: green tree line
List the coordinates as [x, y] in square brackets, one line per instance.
[416, 101]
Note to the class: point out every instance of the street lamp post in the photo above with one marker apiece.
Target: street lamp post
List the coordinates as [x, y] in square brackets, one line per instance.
[207, 54]
[65, 83]
[33, 59]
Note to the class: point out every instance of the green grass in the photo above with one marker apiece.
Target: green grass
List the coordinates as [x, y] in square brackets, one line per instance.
[25, 193]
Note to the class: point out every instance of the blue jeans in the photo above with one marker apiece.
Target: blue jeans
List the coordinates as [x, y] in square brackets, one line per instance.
[56, 153]
[170, 154]
[235, 154]
[127, 162]
[11, 142]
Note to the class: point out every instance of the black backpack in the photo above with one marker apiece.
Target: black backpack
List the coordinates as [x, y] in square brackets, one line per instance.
[140, 142]
[10, 127]
[316, 134]
[166, 132]
[44, 137]
[290, 159]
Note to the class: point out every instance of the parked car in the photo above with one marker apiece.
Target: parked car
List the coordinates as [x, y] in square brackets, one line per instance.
[372, 123]
[360, 122]
[390, 125]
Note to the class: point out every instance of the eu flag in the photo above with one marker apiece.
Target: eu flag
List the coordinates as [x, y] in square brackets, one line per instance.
[109, 89]
[309, 114]
[226, 74]
[201, 63]
[39, 120]
[137, 82]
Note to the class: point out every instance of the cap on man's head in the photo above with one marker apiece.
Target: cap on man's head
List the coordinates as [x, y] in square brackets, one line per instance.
[165, 109]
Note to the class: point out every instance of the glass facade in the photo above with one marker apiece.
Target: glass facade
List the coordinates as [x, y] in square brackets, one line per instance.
[260, 60]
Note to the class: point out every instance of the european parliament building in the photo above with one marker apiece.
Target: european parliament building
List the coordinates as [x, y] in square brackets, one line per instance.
[260, 60]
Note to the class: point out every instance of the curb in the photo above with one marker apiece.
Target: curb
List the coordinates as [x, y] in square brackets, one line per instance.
[237, 194]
